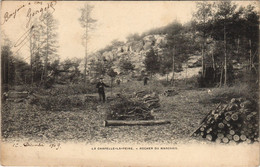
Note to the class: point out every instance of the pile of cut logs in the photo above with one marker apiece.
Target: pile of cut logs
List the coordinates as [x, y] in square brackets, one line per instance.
[151, 100]
[234, 122]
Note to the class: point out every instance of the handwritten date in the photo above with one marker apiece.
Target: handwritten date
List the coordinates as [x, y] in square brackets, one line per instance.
[55, 146]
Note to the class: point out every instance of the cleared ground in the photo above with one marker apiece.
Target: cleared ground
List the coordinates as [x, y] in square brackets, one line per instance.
[85, 124]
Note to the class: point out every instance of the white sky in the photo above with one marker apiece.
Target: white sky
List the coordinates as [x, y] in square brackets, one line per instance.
[115, 20]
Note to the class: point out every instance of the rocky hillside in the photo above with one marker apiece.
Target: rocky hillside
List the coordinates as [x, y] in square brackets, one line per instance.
[136, 48]
[135, 51]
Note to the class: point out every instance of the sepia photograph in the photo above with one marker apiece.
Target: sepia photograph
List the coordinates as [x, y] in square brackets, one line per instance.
[126, 82]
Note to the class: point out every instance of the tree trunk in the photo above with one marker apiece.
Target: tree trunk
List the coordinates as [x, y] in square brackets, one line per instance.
[47, 52]
[225, 54]
[250, 55]
[202, 60]
[238, 45]
[111, 85]
[221, 76]
[86, 54]
[213, 61]
[213, 65]
[173, 55]
[31, 55]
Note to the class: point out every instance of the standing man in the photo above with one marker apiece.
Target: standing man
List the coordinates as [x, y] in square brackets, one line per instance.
[101, 91]
[145, 80]
[118, 81]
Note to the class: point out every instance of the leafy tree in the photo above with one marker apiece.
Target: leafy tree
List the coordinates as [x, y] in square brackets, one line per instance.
[112, 74]
[166, 65]
[252, 34]
[7, 75]
[49, 46]
[126, 66]
[88, 23]
[151, 62]
[14, 69]
[223, 18]
[37, 67]
[203, 19]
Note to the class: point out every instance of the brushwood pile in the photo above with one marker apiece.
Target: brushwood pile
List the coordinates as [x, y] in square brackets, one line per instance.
[137, 106]
[234, 122]
[170, 92]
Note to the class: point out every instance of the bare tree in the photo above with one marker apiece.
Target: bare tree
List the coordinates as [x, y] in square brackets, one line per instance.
[88, 23]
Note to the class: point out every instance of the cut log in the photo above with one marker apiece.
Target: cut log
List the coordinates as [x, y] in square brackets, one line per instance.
[218, 140]
[236, 138]
[232, 142]
[209, 130]
[132, 123]
[210, 119]
[233, 100]
[197, 129]
[248, 141]
[14, 94]
[232, 107]
[220, 136]
[229, 136]
[202, 129]
[227, 118]
[225, 140]
[243, 137]
[209, 113]
[234, 117]
[221, 125]
[209, 137]
[232, 132]
[246, 104]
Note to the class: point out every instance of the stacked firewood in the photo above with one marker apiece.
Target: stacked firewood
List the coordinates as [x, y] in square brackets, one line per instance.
[234, 122]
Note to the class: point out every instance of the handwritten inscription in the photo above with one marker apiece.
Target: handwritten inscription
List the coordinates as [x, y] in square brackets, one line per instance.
[32, 13]
[33, 9]
[13, 14]
[55, 146]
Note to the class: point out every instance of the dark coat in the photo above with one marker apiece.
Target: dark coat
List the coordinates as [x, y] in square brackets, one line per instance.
[100, 86]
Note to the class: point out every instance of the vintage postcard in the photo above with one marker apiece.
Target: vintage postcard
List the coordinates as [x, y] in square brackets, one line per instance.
[130, 83]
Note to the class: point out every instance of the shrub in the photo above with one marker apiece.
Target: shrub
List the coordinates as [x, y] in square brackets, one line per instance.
[63, 103]
[225, 94]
